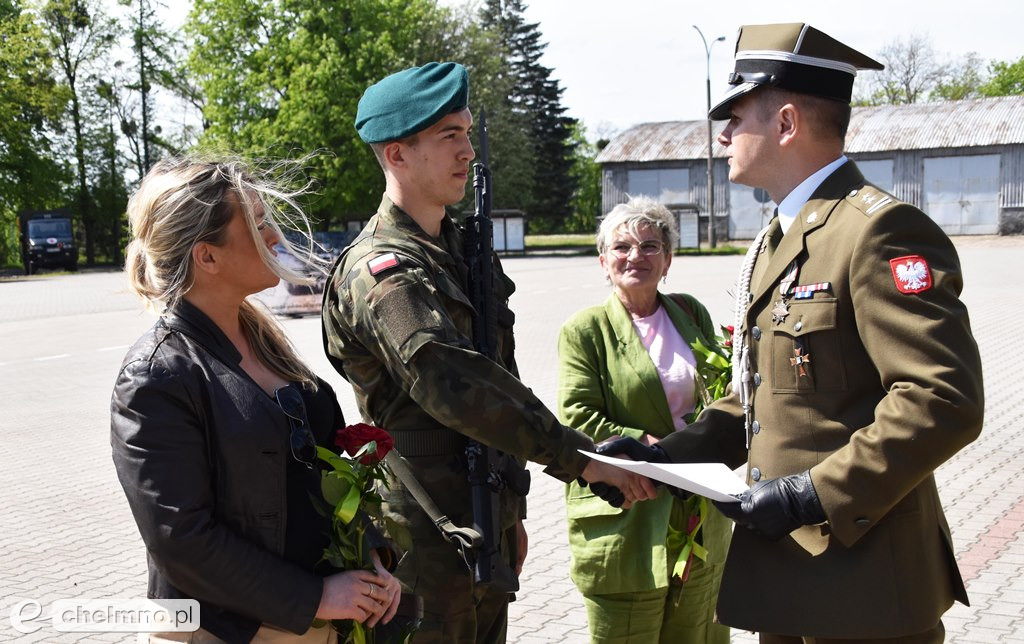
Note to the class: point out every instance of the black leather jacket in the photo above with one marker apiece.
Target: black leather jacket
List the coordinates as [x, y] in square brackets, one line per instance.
[202, 454]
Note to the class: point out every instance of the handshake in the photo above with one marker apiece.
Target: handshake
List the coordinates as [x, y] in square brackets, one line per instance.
[772, 508]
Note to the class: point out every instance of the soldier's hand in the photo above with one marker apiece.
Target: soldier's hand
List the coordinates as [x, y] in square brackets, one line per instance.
[641, 451]
[632, 486]
[634, 449]
[775, 508]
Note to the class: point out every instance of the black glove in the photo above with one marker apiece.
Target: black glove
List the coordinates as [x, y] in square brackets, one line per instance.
[634, 449]
[609, 493]
[775, 508]
[637, 451]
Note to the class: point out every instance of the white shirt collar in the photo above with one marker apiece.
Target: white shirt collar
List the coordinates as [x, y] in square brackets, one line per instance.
[795, 200]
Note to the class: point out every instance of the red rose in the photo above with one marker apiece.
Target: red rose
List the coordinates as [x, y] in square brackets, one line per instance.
[352, 438]
[728, 331]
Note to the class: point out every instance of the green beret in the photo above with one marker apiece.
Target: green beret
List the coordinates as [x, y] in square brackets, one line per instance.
[411, 100]
[795, 57]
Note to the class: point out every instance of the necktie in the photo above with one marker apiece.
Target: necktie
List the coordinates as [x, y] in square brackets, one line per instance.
[773, 236]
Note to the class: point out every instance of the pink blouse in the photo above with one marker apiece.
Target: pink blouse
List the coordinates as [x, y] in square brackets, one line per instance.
[673, 360]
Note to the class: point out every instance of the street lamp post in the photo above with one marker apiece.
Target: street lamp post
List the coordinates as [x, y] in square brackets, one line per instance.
[712, 237]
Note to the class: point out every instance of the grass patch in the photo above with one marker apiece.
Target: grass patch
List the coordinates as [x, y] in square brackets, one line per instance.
[560, 241]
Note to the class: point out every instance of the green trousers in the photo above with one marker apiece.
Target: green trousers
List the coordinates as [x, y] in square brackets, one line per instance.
[655, 616]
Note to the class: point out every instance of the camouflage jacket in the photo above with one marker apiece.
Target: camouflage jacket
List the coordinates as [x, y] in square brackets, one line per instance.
[398, 327]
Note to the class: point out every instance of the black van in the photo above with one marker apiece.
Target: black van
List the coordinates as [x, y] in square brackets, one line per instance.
[47, 240]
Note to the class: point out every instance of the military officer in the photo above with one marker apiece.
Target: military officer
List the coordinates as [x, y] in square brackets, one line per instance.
[398, 326]
[855, 371]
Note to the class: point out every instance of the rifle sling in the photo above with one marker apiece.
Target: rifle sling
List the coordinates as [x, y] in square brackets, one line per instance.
[465, 539]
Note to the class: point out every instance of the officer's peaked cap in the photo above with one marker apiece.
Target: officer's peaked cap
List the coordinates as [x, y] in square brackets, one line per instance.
[410, 101]
[795, 57]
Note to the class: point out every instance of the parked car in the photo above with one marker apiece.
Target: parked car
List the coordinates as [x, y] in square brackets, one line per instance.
[47, 240]
[298, 299]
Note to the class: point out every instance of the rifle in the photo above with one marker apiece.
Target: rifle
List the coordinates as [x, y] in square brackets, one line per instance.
[485, 463]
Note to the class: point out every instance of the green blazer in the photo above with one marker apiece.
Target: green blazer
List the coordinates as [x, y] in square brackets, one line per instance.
[608, 387]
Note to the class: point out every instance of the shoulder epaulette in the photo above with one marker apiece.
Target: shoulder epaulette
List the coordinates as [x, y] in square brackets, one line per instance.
[870, 200]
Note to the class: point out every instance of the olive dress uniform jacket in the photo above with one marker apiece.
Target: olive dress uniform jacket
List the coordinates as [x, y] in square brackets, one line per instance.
[892, 390]
[609, 387]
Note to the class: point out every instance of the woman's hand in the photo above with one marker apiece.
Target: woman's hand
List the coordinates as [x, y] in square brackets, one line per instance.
[390, 590]
[355, 594]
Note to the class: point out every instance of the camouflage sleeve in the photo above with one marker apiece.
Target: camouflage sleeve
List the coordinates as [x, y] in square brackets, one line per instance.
[402, 316]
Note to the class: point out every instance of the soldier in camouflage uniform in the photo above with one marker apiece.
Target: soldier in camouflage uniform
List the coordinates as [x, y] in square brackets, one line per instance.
[398, 326]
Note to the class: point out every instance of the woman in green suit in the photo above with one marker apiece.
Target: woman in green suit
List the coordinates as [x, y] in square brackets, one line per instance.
[628, 368]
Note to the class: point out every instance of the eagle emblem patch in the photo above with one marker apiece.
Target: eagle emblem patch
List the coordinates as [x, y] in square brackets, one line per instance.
[911, 274]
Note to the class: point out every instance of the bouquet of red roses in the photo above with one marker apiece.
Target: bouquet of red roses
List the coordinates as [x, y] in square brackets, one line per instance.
[349, 486]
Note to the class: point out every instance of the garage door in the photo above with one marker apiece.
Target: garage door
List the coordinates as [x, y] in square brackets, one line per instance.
[962, 193]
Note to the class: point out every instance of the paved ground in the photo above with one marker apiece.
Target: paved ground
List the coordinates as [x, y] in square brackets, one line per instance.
[66, 531]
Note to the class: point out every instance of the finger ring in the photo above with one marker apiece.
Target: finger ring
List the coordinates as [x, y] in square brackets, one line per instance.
[369, 594]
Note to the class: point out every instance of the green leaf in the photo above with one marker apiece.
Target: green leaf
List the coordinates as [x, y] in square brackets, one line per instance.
[348, 507]
[335, 488]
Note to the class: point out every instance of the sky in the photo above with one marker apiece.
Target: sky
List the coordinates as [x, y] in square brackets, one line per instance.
[623, 62]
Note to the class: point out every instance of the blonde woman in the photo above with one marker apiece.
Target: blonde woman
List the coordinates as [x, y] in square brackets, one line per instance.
[215, 419]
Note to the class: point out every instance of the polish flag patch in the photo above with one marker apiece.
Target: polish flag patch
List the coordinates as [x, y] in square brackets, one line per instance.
[382, 263]
[911, 274]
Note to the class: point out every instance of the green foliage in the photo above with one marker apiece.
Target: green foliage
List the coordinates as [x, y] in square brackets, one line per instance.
[1006, 78]
[31, 102]
[80, 34]
[915, 72]
[542, 147]
[586, 200]
[283, 78]
[960, 81]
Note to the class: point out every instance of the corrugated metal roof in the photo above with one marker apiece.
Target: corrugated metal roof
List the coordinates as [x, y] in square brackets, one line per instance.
[668, 141]
[924, 126]
[954, 124]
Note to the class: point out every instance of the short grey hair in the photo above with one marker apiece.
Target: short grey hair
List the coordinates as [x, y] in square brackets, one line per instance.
[637, 213]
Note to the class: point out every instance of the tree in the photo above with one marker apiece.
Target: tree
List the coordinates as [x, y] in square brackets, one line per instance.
[1006, 78]
[586, 201]
[960, 80]
[911, 70]
[79, 33]
[157, 63]
[535, 99]
[31, 102]
[914, 72]
[283, 78]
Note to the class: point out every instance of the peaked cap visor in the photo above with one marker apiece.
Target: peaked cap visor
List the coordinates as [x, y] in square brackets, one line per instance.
[410, 101]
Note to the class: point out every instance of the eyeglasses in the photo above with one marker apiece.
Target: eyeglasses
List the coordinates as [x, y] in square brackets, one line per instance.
[647, 248]
[301, 439]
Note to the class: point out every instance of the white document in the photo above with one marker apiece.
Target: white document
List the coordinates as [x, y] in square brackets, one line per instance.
[712, 480]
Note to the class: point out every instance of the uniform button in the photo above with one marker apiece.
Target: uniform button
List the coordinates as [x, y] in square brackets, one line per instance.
[756, 427]
[862, 521]
[798, 326]
[853, 193]
[755, 474]
[756, 332]
[757, 380]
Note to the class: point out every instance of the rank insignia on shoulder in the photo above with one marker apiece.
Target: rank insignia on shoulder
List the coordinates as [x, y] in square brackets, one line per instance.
[911, 274]
[382, 263]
